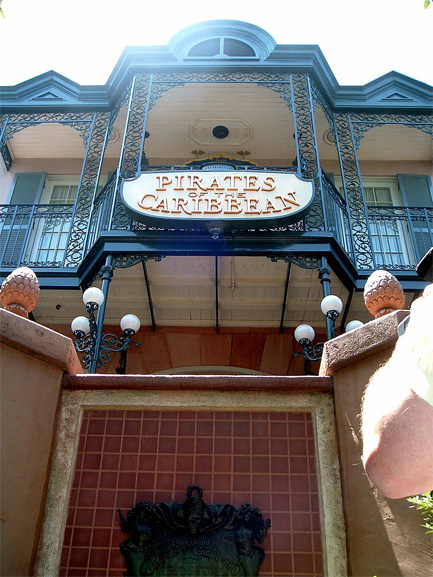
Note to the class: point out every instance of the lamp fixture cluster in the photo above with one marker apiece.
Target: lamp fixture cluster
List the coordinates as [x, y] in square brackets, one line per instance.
[304, 334]
[95, 345]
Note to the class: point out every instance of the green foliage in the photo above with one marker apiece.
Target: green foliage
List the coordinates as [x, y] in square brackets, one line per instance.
[424, 503]
[426, 3]
[4, 16]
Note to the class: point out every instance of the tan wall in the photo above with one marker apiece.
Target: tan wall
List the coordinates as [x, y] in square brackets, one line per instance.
[384, 536]
[33, 360]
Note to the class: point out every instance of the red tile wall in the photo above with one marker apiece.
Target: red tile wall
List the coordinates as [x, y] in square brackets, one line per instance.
[266, 459]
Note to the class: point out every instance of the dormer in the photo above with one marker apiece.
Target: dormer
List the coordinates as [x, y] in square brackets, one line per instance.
[222, 40]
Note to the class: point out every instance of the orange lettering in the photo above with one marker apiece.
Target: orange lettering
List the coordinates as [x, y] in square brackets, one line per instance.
[287, 202]
[268, 184]
[250, 183]
[142, 201]
[252, 206]
[233, 206]
[270, 207]
[164, 181]
[214, 206]
[162, 206]
[195, 182]
[179, 205]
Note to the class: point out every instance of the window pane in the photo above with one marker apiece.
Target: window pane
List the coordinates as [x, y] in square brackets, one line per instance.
[369, 196]
[206, 48]
[383, 196]
[234, 47]
[63, 194]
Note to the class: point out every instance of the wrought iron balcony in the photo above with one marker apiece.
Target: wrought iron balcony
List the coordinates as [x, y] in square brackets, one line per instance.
[400, 235]
[329, 215]
[34, 235]
[38, 235]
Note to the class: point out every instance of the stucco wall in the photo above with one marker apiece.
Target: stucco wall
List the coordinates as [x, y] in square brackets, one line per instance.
[384, 536]
[33, 360]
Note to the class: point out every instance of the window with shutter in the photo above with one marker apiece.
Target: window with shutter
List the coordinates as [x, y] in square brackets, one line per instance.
[17, 220]
[53, 223]
[387, 231]
[416, 191]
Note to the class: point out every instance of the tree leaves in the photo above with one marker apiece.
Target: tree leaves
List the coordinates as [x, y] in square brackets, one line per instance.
[424, 503]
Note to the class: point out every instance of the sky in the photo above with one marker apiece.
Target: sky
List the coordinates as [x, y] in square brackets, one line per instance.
[83, 40]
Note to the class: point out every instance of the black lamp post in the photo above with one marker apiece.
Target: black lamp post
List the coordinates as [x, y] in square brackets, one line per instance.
[95, 345]
[305, 334]
[331, 307]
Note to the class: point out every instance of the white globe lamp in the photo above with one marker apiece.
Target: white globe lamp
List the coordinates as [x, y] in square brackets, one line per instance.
[130, 322]
[304, 332]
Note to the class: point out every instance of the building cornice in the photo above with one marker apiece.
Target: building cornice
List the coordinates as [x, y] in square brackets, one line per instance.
[51, 91]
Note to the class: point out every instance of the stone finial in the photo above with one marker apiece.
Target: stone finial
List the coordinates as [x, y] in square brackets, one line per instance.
[20, 291]
[383, 294]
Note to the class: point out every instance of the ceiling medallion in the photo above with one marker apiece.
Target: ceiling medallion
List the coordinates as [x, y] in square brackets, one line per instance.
[220, 131]
[114, 135]
[209, 131]
[328, 137]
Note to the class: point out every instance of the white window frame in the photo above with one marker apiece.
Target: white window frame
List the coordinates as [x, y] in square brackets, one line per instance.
[391, 182]
[53, 180]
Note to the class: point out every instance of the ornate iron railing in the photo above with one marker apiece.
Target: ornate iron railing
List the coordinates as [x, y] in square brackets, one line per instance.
[400, 235]
[101, 216]
[38, 235]
[34, 235]
[337, 216]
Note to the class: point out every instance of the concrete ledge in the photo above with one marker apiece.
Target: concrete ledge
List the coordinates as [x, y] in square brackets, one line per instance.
[354, 346]
[39, 341]
[197, 382]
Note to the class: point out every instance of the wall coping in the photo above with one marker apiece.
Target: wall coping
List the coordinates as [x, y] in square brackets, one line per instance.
[374, 337]
[39, 341]
[198, 382]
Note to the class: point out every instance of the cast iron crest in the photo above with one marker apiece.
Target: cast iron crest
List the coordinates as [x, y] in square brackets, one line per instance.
[193, 538]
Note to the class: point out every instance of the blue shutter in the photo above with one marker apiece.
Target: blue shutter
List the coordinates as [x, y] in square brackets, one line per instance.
[15, 227]
[416, 192]
[27, 187]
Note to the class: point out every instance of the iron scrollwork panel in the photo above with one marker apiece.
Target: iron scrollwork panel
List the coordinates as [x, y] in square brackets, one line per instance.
[14, 123]
[89, 180]
[353, 188]
[138, 105]
[307, 146]
[362, 123]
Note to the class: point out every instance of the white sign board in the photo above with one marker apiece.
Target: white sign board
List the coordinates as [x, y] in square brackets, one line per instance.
[243, 199]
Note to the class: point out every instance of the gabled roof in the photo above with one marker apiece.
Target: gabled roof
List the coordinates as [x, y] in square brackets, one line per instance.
[50, 90]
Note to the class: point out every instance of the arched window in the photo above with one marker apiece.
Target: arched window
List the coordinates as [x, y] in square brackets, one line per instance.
[222, 40]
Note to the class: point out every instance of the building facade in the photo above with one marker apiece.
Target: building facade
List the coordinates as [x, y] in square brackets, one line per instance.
[219, 273]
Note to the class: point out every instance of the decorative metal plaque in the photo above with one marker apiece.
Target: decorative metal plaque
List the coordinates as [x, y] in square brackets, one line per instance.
[193, 539]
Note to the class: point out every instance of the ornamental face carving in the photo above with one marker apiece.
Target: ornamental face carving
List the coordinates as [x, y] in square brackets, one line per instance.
[193, 538]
